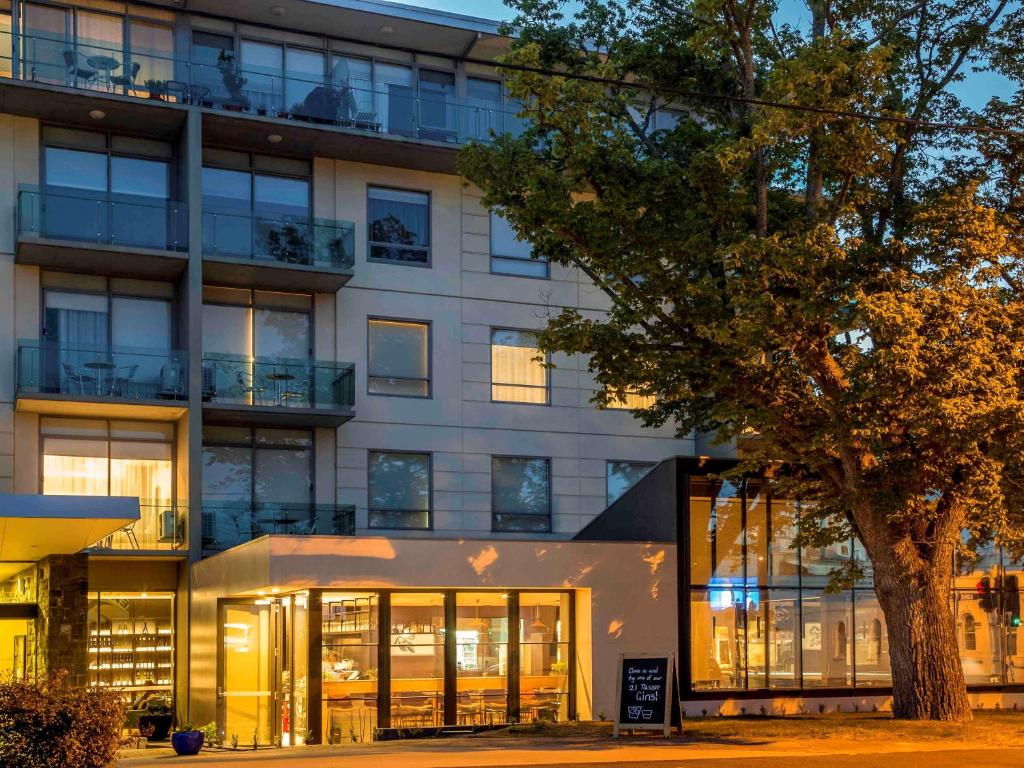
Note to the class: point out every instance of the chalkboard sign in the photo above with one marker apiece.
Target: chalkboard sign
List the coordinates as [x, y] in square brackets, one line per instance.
[645, 691]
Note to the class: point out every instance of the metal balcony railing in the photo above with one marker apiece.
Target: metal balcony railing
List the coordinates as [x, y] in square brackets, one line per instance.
[108, 373]
[101, 218]
[226, 524]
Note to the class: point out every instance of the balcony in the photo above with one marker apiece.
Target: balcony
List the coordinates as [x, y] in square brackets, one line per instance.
[101, 233]
[117, 382]
[338, 114]
[162, 527]
[282, 254]
[226, 524]
[242, 390]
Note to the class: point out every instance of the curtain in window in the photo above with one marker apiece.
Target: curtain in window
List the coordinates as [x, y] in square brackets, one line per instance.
[515, 374]
[625, 399]
[75, 467]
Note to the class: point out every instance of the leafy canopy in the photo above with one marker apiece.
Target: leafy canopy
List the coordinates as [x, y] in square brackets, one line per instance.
[841, 295]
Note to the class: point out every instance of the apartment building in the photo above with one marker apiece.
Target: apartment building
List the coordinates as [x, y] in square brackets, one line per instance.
[273, 441]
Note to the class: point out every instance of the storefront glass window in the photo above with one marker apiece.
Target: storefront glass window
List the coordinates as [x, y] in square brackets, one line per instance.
[350, 637]
[131, 645]
[481, 657]
[783, 615]
[827, 651]
[544, 660]
[717, 639]
[871, 641]
[417, 659]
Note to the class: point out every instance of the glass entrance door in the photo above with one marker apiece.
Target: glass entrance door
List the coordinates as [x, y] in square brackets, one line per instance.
[248, 690]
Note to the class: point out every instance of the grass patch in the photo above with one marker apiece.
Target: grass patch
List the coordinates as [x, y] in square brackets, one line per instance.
[993, 728]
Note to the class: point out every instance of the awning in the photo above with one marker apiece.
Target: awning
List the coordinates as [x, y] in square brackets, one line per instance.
[34, 527]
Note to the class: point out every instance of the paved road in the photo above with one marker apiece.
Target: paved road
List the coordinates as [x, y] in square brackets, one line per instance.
[437, 756]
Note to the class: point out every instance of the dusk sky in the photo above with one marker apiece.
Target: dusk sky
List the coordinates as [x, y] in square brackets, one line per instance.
[975, 91]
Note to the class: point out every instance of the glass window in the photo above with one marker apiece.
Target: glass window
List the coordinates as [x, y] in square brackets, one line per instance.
[227, 206]
[131, 644]
[756, 494]
[437, 104]
[398, 358]
[350, 634]
[282, 196]
[208, 49]
[304, 71]
[716, 533]
[152, 51]
[417, 659]
[620, 476]
[484, 112]
[520, 494]
[783, 558]
[481, 657]
[263, 64]
[100, 35]
[827, 653]
[395, 99]
[517, 375]
[717, 643]
[871, 641]
[509, 254]
[75, 169]
[399, 225]
[621, 399]
[399, 489]
[544, 656]
[784, 639]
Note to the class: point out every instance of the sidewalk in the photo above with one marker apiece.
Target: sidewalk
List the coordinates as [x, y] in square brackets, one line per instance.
[469, 752]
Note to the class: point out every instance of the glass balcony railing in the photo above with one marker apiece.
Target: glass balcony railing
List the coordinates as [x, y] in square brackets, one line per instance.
[229, 523]
[114, 373]
[395, 108]
[243, 235]
[161, 526]
[102, 218]
[277, 382]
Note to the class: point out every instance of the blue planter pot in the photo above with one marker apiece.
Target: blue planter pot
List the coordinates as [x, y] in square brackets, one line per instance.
[187, 742]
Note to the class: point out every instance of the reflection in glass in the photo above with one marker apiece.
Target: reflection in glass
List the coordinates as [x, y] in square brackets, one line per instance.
[623, 475]
[717, 639]
[398, 360]
[544, 656]
[399, 225]
[350, 634]
[520, 493]
[871, 641]
[783, 616]
[399, 492]
[827, 651]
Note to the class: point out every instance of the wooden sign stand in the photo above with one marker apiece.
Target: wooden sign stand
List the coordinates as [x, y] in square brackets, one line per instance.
[638, 717]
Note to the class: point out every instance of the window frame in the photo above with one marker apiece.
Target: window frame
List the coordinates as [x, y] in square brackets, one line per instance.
[492, 383]
[370, 319]
[430, 492]
[495, 528]
[370, 243]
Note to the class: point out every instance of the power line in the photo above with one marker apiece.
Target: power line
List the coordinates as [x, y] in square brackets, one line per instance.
[723, 97]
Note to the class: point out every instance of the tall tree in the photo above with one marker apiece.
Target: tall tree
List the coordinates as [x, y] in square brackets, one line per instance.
[845, 295]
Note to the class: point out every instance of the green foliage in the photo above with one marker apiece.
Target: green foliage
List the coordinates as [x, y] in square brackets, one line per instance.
[841, 297]
[51, 724]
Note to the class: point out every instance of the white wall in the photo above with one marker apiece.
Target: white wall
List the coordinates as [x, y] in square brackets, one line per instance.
[459, 425]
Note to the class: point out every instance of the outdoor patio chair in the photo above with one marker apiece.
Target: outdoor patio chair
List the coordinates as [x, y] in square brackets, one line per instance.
[78, 69]
[122, 379]
[127, 80]
[75, 377]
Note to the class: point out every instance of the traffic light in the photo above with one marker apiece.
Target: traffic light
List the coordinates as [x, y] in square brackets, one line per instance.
[1011, 599]
[984, 590]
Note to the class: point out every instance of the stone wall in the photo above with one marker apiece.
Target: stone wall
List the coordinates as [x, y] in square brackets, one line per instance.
[62, 629]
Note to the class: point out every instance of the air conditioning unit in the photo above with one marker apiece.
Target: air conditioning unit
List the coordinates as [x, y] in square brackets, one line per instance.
[169, 526]
[172, 380]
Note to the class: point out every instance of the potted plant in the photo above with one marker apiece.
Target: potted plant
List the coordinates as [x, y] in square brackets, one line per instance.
[159, 716]
[157, 89]
[233, 82]
[187, 740]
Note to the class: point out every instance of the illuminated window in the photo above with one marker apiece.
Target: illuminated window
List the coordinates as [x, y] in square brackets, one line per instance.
[399, 358]
[517, 376]
[623, 399]
[970, 633]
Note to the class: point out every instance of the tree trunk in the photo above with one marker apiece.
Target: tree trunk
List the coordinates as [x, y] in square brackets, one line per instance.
[927, 678]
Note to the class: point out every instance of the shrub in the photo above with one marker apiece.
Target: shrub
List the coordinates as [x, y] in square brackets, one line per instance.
[51, 724]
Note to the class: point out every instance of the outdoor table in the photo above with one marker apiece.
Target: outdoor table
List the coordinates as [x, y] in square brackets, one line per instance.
[279, 378]
[102, 369]
[106, 65]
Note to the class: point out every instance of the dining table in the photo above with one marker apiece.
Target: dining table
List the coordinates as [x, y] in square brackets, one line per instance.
[105, 64]
[102, 369]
